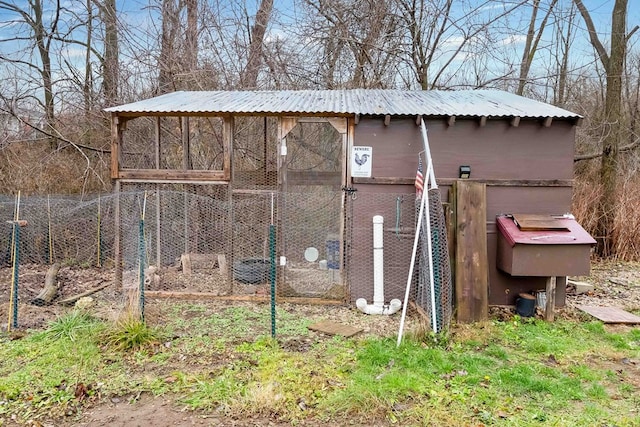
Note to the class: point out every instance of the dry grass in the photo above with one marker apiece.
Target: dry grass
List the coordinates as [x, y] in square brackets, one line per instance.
[626, 230]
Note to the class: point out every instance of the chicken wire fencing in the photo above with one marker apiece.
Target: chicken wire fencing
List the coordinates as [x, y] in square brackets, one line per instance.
[432, 299]
[210, 243]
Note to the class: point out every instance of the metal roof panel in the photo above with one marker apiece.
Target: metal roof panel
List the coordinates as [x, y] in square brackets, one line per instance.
[463, 103]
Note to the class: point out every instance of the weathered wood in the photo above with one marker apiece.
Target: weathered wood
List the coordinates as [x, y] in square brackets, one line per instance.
[185, 261]
[72, 299]
[420, 311]
[186, 143]
[227, 146]
[551, 299]
[172, 174]
[193, 262]
[610, 314]
[451, 121]
[471, 264]
[487, 182]
[251, 298]
[222, 264]
[116, 141]
[50, 289]
[332, 328]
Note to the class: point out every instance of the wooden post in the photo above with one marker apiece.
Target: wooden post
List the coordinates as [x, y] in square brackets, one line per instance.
[158, 204]
[116, 237]
[471, 264]
[551, 299]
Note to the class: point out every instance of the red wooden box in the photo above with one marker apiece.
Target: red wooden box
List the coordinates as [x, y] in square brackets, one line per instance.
[558, 247]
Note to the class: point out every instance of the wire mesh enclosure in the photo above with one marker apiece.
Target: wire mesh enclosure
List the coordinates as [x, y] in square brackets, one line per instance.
[201, 243]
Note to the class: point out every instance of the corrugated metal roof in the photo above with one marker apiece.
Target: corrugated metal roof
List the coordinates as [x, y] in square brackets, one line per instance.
[463, 103]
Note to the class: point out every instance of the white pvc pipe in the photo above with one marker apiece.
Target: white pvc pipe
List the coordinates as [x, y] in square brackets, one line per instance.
[416, 239]
[434, 185]
[430, 183]
[378, 306]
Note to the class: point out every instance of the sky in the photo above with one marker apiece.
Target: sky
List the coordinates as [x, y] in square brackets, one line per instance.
[142, 25]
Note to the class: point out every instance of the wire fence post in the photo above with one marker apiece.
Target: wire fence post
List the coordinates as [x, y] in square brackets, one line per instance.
[141, 257]
[272, 270]
[15, 264]
[15, 274]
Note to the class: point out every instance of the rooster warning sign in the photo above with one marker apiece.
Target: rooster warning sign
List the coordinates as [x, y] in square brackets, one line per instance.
[361, 159]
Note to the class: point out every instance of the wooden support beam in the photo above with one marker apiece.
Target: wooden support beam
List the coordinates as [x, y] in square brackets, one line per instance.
[356, 119]
[172, 175]
[547, 122]
[515, 122]
[483, 121]
[471, 265]
[389, 180]
[339, 124]
[186, 144]
[418, 120]
[227, 146]
[551, 299]
[116, 143]
[387, 120]
[451, 121]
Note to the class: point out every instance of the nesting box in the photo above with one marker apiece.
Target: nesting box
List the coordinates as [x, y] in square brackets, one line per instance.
[543, 245]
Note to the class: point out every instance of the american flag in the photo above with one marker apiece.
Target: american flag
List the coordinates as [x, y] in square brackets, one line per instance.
[419, 179]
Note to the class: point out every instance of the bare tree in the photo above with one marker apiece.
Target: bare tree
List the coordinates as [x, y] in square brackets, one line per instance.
[354, 42]
[110, 70]
[43, 34]
[532, 41]
[249, 76]
[441, 34]
[613, 63]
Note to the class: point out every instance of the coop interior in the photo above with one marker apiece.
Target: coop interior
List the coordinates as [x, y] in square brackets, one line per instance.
[274, 214]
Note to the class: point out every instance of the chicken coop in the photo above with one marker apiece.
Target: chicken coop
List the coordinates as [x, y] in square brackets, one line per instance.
[222, 191]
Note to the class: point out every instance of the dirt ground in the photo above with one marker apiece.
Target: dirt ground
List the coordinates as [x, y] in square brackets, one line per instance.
[615, 284]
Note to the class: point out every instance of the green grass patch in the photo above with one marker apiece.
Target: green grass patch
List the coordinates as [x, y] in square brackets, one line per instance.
[515, 373]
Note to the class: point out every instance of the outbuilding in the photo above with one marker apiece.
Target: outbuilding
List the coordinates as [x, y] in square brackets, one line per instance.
[317, 165]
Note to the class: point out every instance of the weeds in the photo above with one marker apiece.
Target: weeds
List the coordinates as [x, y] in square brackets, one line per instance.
[515, 373]
[130, 333]
[72, 324]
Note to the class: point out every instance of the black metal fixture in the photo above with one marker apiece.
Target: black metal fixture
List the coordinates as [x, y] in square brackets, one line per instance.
[465, 172]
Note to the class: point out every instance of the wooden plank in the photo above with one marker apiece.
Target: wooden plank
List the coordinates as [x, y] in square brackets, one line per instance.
[471, 266]
[116, 141]
[389, 180]
[611, 314]
[222, 264]
[186, 144]
[551, 299]
[227, 146]
[212, 296]
[528, 222]
[332, 328]
[172, 174]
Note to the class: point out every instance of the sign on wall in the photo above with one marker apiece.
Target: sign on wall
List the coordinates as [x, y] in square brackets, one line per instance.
[361, 160]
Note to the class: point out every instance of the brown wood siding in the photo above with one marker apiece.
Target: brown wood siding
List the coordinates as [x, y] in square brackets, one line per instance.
[495, 151]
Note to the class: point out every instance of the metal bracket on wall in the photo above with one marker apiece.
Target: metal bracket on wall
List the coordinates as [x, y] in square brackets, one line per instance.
[350, 191]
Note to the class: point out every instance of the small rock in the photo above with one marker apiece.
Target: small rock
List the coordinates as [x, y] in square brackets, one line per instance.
[84, 303]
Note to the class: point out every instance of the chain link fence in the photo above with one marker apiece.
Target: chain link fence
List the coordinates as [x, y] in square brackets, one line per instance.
[204, 243]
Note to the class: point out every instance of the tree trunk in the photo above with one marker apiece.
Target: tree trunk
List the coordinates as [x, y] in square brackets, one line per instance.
[614, 67]
[532, 41]
[249, 78]
[110, 65]
[50, 289]
[43, 42]
[166, 61]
